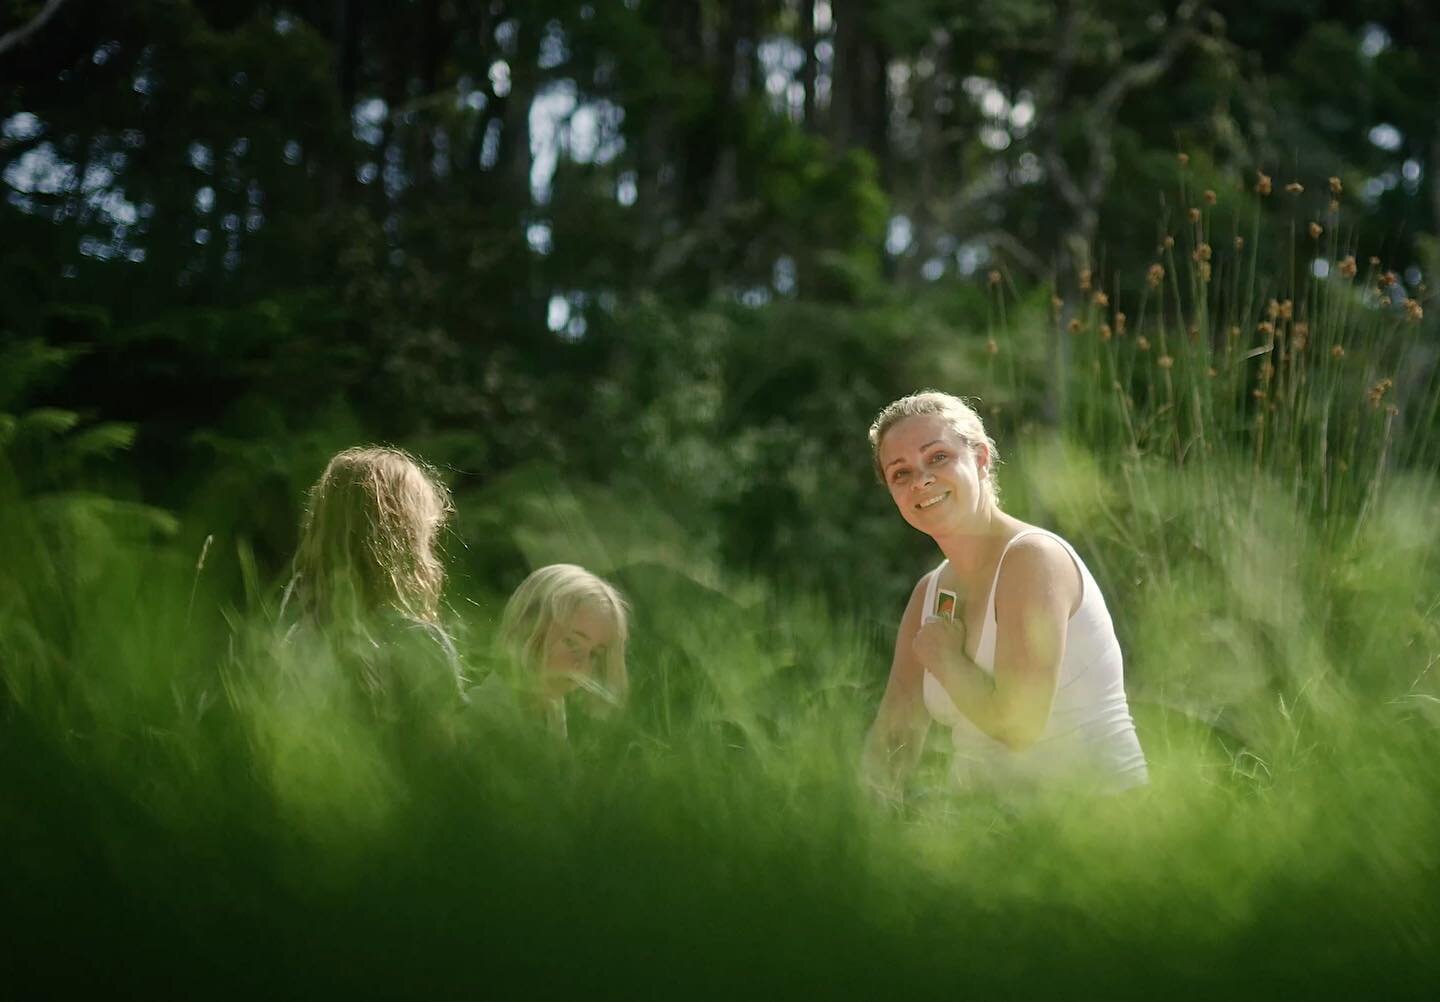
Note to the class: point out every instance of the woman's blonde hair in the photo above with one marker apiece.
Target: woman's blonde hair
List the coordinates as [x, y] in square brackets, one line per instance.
[958, 414]
[367, 541]
[550, 595]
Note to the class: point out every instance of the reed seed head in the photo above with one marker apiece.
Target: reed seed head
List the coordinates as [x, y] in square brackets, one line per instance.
[1295, 188]
[1336, 188]
[1262, 183]
[1315, 230]
[1347, 267]
[1209, 196]
[1376, 393]
[1155, 276]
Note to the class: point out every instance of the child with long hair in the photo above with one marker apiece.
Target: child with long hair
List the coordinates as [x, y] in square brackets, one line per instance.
[367, 577]
[564, 630]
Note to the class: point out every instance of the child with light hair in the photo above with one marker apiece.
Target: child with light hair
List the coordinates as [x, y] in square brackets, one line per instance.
[367, 577]
[563, 630]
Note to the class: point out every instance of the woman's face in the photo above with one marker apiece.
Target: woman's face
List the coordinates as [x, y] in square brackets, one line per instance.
[576, 646]
[936, 480]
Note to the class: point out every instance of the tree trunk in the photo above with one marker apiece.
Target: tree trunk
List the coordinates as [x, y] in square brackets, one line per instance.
[514, 161]
[428, 72]
[810, 72]
[347, 62]
[876, 108]
[845, 73]
[1433, 169]
[19, 36]
[733, 80]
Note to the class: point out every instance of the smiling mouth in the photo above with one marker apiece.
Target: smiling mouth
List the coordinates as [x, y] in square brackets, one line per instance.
[932, 502]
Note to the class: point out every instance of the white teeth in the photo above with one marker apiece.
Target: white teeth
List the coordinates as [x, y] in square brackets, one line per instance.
[933, 501]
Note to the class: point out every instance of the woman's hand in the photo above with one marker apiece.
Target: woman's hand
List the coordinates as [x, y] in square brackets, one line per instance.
[939, 641]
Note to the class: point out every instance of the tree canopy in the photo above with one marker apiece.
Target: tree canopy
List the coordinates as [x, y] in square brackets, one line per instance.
[666, 241]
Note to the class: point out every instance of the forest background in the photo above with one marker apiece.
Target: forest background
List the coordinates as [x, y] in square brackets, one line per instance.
[681, 251]
[636, 276]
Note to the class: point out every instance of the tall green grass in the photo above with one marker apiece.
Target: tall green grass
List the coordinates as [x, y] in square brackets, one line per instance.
[184, 811]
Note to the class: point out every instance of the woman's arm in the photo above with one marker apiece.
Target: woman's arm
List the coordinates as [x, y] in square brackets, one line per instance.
[1037, 591]
[896, 738]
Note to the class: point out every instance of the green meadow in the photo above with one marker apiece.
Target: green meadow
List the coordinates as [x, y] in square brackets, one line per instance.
[1243, 454]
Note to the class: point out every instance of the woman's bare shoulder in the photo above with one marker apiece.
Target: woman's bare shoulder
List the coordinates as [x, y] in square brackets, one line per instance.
[1035, 561]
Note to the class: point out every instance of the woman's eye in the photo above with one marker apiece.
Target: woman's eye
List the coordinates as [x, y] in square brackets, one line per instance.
[939, 457]
[901, 476]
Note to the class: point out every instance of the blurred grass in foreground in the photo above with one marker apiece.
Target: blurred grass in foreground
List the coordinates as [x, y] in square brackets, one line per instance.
[183, 814]
[163, 829]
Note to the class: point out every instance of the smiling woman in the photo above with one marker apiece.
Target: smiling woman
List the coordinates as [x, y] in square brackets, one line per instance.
[1008, 642]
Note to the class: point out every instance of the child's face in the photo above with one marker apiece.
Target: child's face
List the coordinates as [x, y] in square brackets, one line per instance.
[576, 646]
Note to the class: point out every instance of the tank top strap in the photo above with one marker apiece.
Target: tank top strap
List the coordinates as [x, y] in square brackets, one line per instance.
[1032, 531]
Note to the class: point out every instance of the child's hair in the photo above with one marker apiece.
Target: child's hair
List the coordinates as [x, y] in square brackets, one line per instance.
[550, 595]
[367, 541]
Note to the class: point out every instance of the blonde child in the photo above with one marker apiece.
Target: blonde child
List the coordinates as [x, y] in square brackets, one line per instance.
[564, 630]
[367, 578]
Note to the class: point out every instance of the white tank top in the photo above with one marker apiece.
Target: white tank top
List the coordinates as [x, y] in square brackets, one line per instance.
[1089, 740]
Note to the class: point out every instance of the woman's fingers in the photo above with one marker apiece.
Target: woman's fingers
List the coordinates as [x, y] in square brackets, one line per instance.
[939, 639]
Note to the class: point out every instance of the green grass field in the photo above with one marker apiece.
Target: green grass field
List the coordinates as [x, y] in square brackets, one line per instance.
[1261, 509]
